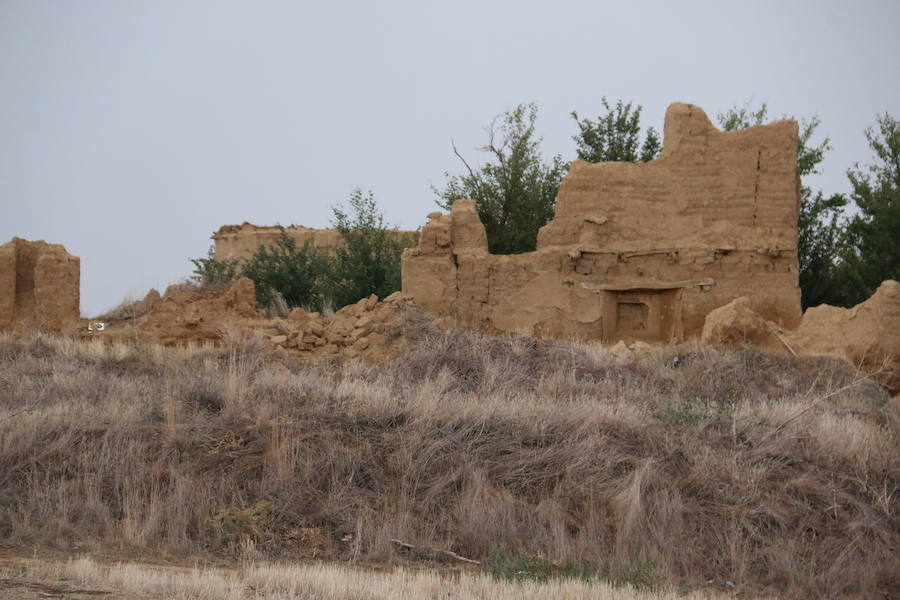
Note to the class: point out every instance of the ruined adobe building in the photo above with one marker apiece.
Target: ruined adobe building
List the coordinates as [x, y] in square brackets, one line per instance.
[39, 286]
[635, 251]
[241, 241]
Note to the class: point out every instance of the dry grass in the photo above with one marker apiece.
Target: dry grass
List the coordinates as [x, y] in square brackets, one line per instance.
[780, 475]
[311, 581]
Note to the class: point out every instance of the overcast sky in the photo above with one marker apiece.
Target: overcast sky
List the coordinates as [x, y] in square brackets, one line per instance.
[130, 131]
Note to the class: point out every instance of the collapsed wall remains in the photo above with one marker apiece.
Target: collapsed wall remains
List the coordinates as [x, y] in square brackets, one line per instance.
[636, 252]
[39, 286]
[866, 335]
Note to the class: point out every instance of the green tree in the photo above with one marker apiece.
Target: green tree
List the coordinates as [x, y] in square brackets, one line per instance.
[369, 262]
[209, 271]
[819, 224]
[874, 232]
[283, 268]
[515, 191]
[616, 136]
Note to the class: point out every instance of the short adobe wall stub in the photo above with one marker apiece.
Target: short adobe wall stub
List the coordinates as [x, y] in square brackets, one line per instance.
[636, 251]
[39, 286]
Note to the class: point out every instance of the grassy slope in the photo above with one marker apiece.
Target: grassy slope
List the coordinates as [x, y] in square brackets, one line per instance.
[780, 475]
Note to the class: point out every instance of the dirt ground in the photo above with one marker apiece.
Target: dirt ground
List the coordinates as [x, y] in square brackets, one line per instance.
[26, 588]
[32, 578]
[27, 579]
[86, 578]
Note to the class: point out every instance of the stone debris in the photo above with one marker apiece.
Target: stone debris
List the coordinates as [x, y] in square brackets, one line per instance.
[736, 324]
[620, 349]
[39, 287]
[369, 329]
[866, 335]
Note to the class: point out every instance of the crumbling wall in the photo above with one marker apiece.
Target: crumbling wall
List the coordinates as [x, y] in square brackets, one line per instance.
[186, 314]
[39, 286]
[867, 335]
[636, 251]
[241, 241]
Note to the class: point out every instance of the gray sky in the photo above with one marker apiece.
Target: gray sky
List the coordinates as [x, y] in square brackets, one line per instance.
[129, 131]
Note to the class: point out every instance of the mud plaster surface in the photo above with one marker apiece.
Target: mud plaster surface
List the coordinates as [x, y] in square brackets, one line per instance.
[39, 286]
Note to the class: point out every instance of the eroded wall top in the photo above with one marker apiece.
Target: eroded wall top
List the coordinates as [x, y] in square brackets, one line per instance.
[241, 241]
[708, 189]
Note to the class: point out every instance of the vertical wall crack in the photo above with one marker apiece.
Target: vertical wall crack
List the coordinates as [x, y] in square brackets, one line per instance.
[756, 187]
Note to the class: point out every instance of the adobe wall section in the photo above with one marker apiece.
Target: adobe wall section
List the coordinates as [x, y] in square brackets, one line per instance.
[39, 286]
[635, 251]
[241, 241]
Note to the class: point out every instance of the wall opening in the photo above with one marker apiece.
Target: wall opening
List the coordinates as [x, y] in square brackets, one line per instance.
[650, 315]
[631, 315]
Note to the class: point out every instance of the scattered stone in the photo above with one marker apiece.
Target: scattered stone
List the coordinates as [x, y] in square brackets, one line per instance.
[444, 323]
[620, 349]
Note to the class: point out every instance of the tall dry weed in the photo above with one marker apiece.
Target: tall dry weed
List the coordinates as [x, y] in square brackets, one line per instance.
[775, 473]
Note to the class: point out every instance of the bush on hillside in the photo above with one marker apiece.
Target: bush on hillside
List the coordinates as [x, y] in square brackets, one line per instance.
[295, 273]
[210, 271]
[369, 262]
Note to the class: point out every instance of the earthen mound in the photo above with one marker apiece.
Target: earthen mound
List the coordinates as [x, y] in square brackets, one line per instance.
[39, 287]
[867, 335]
[186, 314]
[132, 309]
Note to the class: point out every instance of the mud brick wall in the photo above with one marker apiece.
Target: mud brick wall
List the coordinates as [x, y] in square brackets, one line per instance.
[241, 241]
[636, 251]
[39, 286]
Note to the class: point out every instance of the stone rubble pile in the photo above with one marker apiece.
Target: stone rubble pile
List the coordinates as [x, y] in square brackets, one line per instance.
[369, 329]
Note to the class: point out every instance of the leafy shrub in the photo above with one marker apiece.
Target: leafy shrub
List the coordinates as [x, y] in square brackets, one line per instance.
[288, 276]
[296, 273]
[210, 271]
[235, 525]
[369, 262]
